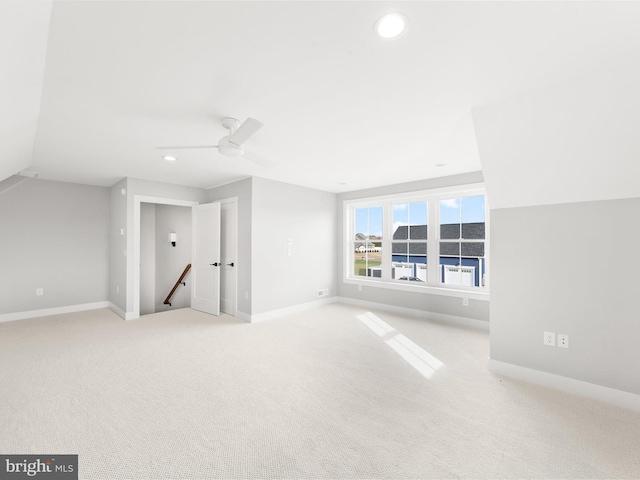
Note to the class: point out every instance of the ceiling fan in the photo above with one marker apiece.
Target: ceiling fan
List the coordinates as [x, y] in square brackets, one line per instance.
[231, 145]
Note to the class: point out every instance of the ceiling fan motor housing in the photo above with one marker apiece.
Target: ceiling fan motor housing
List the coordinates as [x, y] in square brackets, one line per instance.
[228, 148]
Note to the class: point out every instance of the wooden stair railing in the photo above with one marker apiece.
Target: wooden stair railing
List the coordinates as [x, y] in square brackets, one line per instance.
[167, 301]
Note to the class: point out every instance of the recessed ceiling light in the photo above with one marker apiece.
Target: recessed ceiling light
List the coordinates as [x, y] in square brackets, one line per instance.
[391, 25]
[439, 165]
[169, 158]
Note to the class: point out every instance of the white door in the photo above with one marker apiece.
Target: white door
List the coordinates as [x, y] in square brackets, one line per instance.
[205, 258]
[228, 249]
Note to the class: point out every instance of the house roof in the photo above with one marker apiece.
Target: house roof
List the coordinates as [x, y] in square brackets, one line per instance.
[470, 231]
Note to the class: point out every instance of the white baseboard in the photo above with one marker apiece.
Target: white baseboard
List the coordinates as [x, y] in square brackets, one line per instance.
[609, 395]
[261, 317]
[121, 313]
[412, 312]
[45, 312]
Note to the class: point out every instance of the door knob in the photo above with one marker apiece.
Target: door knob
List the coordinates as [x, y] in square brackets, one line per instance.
[215, 264]
[230, 264]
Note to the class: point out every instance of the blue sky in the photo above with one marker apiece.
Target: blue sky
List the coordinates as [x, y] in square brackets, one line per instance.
[369, 221]
[410, 214]
[462, 210]
[454, 210]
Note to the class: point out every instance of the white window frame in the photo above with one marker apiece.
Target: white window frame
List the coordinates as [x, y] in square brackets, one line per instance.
[433, 197]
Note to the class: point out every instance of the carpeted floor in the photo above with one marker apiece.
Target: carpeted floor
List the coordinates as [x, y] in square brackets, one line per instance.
[335, 392]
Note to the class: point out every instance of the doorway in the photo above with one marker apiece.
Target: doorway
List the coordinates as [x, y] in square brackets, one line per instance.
[138, 200]
[165, 253]
[228, 245]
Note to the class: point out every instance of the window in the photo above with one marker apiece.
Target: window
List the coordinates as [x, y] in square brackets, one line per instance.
[420, 240]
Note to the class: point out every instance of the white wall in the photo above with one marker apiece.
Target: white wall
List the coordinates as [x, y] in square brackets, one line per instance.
[171, 261]
[55, 236]
[477, 309]
[568, 269]
[118, 234]
[147, 258]
[287, 218]
[561, 170]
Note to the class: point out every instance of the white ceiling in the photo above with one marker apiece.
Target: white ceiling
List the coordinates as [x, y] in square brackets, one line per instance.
[339, 105]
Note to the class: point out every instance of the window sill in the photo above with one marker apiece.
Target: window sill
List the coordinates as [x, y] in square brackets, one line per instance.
[431, 290]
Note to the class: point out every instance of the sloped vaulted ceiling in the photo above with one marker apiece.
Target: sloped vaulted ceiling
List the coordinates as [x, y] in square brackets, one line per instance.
[24, 27]
[574, 141]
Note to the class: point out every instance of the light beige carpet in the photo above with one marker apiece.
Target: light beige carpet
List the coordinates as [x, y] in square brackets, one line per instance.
[329, 393]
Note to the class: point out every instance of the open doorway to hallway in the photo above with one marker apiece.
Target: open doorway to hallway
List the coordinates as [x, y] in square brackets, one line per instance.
[165, 252]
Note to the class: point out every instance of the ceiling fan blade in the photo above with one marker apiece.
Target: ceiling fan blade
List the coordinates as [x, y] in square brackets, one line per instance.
[258, 160]
[245, 131]
[185, 147]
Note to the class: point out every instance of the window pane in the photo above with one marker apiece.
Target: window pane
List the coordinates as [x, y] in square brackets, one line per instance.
[410, 221]
[402, 270]
[374, 269]
[464, 275]
[418, 248]
[418, 232]
[368, 242]
[473, 231]
[362, 223]
[450, 211]
[367, 264]
[418, 220]
[473, 217]
[375, 222]
[473, 249]
[473, 209]
[398, 248]
[368, 222]
[401, 221]
[450, 248]
[450, 231]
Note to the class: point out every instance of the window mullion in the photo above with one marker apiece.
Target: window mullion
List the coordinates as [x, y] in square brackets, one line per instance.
[433, 270]
[386, 241]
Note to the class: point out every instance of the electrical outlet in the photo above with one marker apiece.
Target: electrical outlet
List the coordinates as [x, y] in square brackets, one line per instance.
[39, 291]
[323, 293]
[550, 339]
[465, 302]
[563, 340]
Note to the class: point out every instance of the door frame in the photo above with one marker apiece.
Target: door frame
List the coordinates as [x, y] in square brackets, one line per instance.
[234, 202]
[137, 200]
